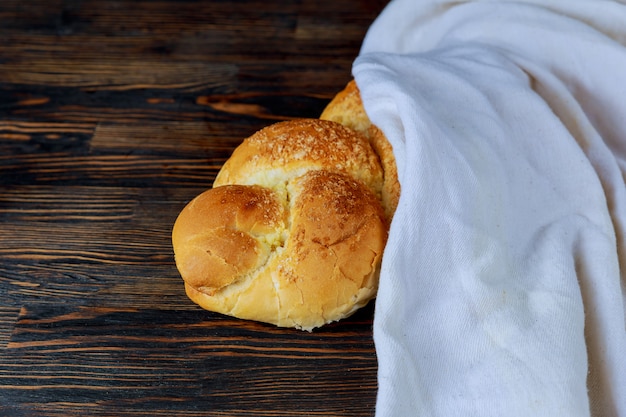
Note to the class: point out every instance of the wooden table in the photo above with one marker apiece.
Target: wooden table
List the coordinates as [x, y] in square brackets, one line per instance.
[114, 114]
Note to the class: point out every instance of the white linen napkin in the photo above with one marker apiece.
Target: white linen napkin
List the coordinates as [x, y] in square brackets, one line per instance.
[503, 282]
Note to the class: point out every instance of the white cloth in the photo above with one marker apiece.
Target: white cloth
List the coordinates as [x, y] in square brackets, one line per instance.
[503, 282]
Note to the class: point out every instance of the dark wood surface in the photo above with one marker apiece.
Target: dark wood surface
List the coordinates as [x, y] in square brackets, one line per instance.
[113, 115]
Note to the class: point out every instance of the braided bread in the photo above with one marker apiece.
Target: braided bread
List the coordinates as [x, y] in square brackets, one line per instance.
[347, 108]
[293, 230]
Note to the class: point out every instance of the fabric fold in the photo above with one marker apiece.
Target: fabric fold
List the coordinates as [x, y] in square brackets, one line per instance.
[502, 284]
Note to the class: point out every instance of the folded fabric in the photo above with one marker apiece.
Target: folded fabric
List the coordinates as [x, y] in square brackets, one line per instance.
[503, 282]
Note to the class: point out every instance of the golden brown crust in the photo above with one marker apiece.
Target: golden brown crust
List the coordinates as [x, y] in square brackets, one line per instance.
[347, 108]
[327, 267]
[390, 194]
[286, 149]
[292, 232]
[217, 236]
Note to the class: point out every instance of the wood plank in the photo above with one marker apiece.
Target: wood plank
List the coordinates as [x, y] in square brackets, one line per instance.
[214, 47]
[101, 361]
[107, 245]
[8, 318]
[135, 17]
[113, 115]
[167, 137]
[109, 170]
[165, 46]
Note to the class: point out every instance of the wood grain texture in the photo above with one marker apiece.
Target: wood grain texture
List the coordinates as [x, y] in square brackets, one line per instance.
[97, 360]
[113, 115]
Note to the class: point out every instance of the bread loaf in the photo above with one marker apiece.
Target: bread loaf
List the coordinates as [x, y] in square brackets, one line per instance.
[293, 230]
[347, 108]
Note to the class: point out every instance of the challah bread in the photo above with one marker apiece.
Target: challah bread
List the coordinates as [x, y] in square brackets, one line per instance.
[293, 231]
[347, 108]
